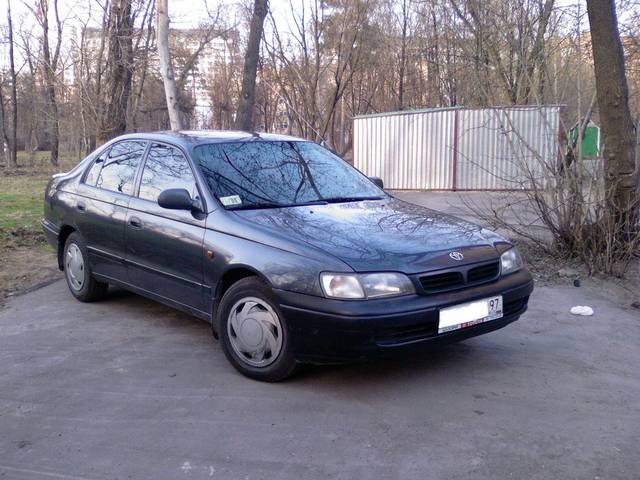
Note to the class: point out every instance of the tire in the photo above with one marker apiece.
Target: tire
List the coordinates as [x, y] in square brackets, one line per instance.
[77, 272]
[253, 332]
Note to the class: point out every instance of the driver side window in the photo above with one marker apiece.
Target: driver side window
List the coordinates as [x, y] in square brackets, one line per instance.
[166, 167]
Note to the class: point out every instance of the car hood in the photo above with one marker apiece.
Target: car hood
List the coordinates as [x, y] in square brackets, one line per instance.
[381, 235]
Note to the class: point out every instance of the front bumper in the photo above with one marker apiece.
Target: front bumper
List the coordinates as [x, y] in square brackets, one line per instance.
[326, 330]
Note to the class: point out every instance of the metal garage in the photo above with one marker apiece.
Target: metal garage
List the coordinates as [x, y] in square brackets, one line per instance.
[458, 148]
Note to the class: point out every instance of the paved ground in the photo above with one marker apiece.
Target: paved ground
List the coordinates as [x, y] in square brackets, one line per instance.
[456, 203]
[513, 207]
[127, 388]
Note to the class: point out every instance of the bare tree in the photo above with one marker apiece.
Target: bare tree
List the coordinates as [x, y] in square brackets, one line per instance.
[144, 44]
[13, 145]
[4, 141]
[316, 65]
[508, 45]
[206, 35]
[166, 68]
[404, 38]
[50, 66]
[537, 64]
[246, 102]
[113, 121]
[617, 126]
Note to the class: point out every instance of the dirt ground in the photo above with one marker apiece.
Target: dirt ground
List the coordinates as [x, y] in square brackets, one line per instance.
[26, 268]
[25, 260]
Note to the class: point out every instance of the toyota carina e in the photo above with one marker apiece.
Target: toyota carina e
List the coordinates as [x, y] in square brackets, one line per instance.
[292, 254]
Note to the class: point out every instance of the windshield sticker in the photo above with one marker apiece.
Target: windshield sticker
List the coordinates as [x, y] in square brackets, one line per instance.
[231, 200]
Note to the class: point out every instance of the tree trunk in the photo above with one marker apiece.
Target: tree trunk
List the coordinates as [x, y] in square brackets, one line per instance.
[618, 131]
[166, 68]
[119, 71]
[137, 96]
[50, 67]
[403, 55]
[244, 114]
[537, 62]
[4, 140]
[13, 155]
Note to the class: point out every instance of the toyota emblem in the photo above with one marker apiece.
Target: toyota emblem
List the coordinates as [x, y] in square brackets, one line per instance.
[456, 256]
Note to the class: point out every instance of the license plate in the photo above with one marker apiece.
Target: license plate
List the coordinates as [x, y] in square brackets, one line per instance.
[471, 313]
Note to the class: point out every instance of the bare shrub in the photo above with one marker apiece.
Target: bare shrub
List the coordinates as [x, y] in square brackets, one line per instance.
[564, 206]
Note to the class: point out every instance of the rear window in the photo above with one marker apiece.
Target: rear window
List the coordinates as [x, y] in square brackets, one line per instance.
[94, 172]
[119, 168]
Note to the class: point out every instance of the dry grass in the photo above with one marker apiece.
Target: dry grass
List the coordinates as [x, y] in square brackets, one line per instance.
[25, 258]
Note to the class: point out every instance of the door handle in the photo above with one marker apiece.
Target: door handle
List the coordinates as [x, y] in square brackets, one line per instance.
[135, 222]
[81, 206]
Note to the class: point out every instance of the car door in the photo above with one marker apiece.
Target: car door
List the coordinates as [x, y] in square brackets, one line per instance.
[101, 206]
[164, 248]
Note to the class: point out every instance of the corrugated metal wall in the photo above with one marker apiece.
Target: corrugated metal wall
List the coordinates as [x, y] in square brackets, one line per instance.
[457, 149]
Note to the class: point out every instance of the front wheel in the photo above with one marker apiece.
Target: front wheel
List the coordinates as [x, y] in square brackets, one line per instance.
[77, 272]
[254, 333]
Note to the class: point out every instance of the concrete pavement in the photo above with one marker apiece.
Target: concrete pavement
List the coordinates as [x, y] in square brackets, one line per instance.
[127, 388]
[514, 208]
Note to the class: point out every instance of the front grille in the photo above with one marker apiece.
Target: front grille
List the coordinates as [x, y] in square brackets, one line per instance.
[465, 276]
[483, 273]
[442, 281]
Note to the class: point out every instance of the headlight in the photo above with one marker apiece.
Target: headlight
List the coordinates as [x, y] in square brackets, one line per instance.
[385, 284]
[341, 286]
[367, 285]
[511, 261]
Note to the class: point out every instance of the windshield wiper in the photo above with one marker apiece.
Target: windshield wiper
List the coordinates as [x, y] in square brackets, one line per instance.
[258, 206]
[351, 199]
[325, 201]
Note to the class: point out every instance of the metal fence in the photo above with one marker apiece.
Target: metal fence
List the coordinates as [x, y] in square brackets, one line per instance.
[458, 148]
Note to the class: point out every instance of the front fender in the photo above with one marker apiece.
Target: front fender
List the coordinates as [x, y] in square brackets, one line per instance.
[283, 270]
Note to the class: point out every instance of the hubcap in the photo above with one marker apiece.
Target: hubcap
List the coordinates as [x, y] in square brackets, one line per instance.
[255, 332]
[74, 267]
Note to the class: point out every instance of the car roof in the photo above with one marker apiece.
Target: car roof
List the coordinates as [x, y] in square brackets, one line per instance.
[198, 137]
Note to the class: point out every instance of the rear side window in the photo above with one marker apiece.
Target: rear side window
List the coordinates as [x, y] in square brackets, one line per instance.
[94, 172]
[119, 168]
[165, 167]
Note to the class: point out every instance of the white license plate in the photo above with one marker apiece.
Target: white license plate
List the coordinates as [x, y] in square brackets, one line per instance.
[472, 313]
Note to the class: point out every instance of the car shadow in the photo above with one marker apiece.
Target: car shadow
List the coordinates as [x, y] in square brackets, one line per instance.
[151, 312]
[116, 293]
[432, 362]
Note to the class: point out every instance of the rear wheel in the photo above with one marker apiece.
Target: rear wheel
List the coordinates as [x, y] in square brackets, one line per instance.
[254, 333]
[77, 271]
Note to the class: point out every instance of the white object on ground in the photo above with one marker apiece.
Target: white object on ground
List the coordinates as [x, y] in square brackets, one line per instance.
[582, 310]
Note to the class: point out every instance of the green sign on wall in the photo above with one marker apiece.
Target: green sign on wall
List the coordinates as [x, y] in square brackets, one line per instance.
[590, 141]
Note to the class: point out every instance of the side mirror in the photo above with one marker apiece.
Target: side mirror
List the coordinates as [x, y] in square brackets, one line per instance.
[378, 181]
[176, 199]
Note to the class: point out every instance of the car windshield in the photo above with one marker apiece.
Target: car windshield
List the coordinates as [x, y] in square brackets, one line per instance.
[262, 174]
